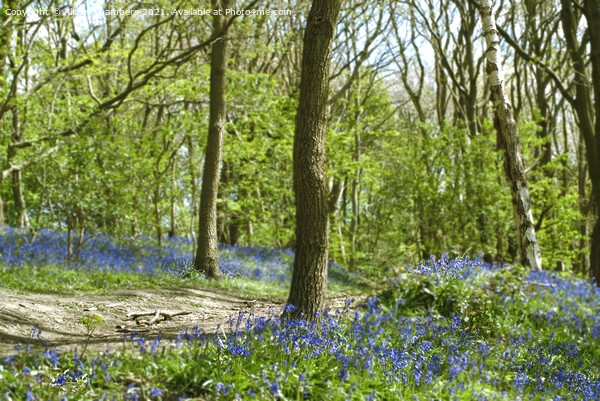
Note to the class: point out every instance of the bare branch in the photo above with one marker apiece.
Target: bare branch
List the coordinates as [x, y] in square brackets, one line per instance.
[92, 94]
[527, 57]
[7, 171]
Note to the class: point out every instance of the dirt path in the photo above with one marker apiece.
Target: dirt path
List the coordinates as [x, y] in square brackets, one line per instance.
[59, 316]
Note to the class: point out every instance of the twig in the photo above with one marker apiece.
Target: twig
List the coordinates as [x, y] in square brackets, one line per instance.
[123, 329]
[155, 319]
[133, 380]
[173, 314]
[158, 316]
[135, 315]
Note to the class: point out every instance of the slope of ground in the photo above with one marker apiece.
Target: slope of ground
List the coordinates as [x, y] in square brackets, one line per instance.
[59, 316]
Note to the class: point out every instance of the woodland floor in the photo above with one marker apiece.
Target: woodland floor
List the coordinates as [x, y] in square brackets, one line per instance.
[59, 316]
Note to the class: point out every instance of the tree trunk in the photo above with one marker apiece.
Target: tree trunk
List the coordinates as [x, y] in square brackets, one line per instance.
[309, 278]
[529, 251]
[441, 90]
[354, 198]
[157, 214]
[335, 195]
[207, 257]
[592, 14]
[6, 32]
[583, 106]
[19, 200]
[194, 189]
[22, 218]
[172, 230]
[582, 264]
[223, 215]
[2, 212]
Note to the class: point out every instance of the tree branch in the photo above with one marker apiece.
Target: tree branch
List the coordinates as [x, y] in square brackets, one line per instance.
[7, 171]
[527, 57]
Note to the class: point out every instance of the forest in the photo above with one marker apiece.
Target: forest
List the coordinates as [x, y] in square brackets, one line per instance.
[300, 199]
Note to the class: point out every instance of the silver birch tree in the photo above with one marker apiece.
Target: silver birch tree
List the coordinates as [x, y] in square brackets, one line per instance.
[508, 138]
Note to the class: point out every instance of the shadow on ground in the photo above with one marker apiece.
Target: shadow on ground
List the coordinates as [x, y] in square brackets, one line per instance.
[59, 316]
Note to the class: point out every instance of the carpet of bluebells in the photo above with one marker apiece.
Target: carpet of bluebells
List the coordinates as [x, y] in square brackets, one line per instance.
[98, 252]
[444, 329]
[141, 255]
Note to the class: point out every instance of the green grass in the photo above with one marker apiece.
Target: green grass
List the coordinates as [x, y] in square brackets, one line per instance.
[57, 280]
[52, 279]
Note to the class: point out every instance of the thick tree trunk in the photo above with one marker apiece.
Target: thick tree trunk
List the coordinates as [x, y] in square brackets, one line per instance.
[309, 278]
[583, 106]
[592, 13]
[207, 257]
[529, 251]
[595, 254]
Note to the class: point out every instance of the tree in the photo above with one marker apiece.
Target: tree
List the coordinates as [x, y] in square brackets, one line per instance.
[583, 105]
[508, 138]
[555, 64]
[18, 122]
[309, 277]
[207, 258]
[592, 14]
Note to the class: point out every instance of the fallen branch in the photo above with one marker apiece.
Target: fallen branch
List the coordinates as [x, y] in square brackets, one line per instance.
[135, 315]
[157, 316]
[125, 330]
[133, 380]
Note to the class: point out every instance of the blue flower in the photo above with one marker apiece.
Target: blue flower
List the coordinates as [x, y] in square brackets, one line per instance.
[155, 392]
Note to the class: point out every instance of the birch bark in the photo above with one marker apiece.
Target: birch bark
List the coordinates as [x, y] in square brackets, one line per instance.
[508, 136]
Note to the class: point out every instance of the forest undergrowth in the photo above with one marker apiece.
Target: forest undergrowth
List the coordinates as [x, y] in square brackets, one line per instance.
[443, 329]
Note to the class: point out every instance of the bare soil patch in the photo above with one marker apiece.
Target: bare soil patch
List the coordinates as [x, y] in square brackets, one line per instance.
[59, 316]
